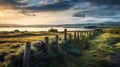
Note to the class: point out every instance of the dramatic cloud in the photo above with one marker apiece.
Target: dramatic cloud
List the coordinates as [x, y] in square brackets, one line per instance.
[54, 4]
[3, 3]
[40, 4]
[8, 4]
[105, 2]
[97, 13]
[51, 4]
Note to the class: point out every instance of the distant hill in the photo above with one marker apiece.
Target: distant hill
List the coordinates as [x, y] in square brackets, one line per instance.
[9, 25]
[98, 25]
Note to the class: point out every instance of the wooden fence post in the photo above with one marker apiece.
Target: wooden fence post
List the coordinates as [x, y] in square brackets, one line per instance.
[86, 33]
[70, 36]
[90, 33]
[93, 33]
[78, 34]
[74, 35]
[26, 56]
[56, 39]
[83, 33]
[47, 44]
[65, 35]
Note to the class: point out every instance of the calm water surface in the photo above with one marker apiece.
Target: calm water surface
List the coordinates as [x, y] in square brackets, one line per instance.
[42, 29]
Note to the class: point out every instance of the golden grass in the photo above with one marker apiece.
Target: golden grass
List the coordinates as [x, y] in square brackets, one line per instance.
[14, 41]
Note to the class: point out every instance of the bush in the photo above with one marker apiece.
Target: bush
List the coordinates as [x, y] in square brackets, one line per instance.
[52, 30]
[98, 30]
[117, 45]
[16, 30]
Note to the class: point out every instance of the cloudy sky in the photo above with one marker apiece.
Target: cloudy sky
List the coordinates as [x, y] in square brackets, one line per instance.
[28, 12]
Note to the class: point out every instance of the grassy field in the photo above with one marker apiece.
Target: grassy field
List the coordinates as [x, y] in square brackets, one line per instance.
[19, 38]
[95, 51]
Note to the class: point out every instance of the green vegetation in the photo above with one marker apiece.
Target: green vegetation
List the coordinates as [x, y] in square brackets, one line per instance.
[89, 51]
[112, 30]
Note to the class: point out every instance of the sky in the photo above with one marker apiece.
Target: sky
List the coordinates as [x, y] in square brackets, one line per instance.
[29, 12]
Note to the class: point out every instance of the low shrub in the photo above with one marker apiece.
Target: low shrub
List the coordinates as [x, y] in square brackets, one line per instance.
[52, 30]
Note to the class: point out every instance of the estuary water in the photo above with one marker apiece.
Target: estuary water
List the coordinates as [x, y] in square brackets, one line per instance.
[41, 29]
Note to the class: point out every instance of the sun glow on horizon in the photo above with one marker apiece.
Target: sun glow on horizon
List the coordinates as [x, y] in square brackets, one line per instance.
[13, 17]
[8, 14]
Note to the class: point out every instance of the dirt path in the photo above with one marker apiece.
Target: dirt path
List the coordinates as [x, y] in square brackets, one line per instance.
[116, 59]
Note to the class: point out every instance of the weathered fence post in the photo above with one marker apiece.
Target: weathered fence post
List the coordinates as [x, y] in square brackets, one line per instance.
[93, 33]
[56, 39]
[47, 44]
[78, 35]
[86, 33]
[74, 35]
[26, 56]
[65, 35]
[90, 33]
[70, 36]
[81, 34]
